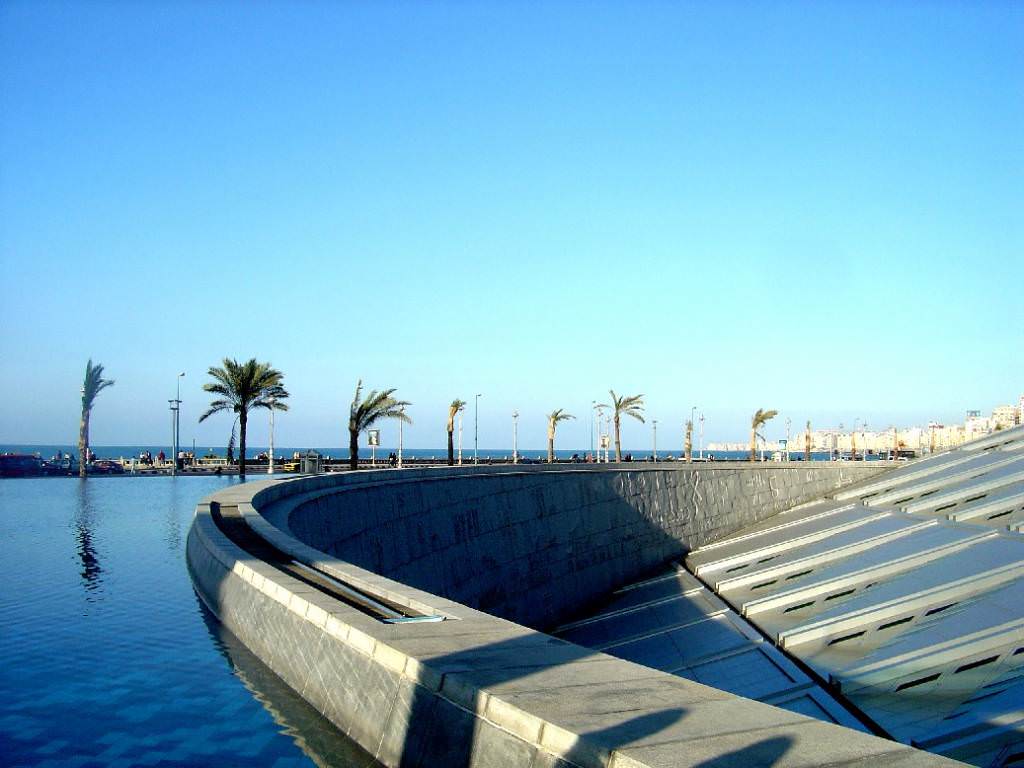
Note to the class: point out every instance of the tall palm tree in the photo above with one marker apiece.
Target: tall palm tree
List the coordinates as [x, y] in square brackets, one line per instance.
[807, 442]
[94, 384]
[554, 419]
[242, 387]
[453, 409]
[759, 419]
[688, 445]
[630, 405]
[365, 412]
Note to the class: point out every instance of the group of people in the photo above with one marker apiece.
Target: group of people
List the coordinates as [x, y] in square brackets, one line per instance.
[146, 457]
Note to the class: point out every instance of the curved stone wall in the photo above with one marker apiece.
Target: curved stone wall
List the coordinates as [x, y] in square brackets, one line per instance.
[476, 689]
[537, 546]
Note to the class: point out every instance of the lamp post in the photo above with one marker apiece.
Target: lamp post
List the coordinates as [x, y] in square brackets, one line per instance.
[515, 437]
[270, 460]
[401, 423]
[175, 411]
[608, 432]
[461, 409]
[476, 430]
[593, 405]
[788, 424]
[654, 425]
[702, 437]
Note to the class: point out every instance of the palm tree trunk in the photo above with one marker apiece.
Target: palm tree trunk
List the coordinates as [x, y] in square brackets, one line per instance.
[807, 443]
[551, 449]
[451, 447]
[618, 445]
[753, 444]
[353, 449]
[242, 418]
[689, 442]
[83, 441]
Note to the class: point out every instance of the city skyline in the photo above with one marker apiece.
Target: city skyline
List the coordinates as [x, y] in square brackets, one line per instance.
[811, 207]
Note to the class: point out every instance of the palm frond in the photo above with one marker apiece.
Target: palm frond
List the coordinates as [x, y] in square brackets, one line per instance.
[93, 384]
[762, 417]
[559, 415]
[244, 386]
[367, 411]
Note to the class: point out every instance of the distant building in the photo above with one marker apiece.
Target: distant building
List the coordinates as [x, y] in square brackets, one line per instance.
[1005, 416]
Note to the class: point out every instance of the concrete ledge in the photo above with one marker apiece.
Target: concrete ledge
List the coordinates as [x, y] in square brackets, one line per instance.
[477, 689]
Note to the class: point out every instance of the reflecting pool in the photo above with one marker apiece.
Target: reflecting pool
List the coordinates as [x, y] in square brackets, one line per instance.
[108, 658]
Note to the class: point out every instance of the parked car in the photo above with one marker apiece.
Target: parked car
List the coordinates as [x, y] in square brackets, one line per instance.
[105, 467]
[19, 465]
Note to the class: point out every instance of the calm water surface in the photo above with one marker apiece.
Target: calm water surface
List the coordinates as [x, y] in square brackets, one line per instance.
[108, 658]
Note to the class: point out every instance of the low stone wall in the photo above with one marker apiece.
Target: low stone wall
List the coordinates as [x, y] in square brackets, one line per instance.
[477, 689]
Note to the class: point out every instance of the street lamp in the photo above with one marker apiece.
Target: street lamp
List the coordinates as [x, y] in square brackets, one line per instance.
[788, 424]
[175, 405]
[476, 430]
[270, 447]
[401, 423]
[654, 424]
[461, 409]
[593, 405]
[515, 437]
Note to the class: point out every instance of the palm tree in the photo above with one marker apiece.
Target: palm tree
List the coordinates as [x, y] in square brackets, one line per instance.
[365, 412]
[630, 405]
[453, 409]
[759, 419]
[94, 384]
[554, 418]
[688, 445]
[807, 442]
[242, 387]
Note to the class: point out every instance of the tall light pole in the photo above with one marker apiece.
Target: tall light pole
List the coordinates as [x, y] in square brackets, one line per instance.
[270, 461]
[654, 425]
[515, 437]
[702, 437]
[476, 430]
[788, 424]
[175, 411]
[461, 409]
[593, 405]
[401, 423]
[608, 432]
[600, 430]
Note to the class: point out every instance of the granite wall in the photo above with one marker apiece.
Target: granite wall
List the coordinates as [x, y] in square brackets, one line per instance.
[540, 545]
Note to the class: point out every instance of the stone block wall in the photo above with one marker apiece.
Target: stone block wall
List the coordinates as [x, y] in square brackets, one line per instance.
[540, 545]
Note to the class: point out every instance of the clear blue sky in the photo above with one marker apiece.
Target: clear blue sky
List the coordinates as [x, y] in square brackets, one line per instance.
[815, 207]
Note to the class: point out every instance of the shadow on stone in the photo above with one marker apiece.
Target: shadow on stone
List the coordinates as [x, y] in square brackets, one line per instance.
[763, 754]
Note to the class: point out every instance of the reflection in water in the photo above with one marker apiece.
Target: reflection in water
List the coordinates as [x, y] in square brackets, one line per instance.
[324, 744]
[172, 520]
[92, 572]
